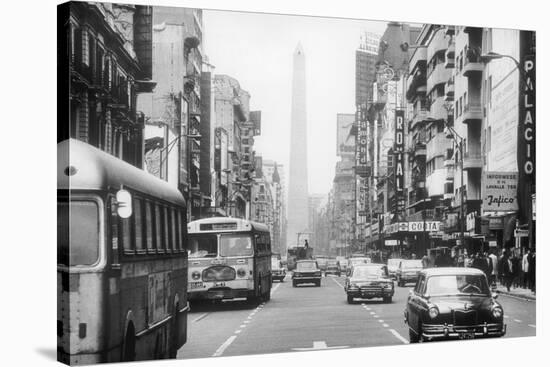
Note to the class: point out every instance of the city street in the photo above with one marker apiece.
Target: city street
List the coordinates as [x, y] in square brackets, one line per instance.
[312, 318]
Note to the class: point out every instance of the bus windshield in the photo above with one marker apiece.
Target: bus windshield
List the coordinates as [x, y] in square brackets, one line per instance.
[77, 233]
[235, 245]
[203, 245]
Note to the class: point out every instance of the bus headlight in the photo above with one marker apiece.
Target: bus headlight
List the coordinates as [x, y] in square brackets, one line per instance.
[196, 275]
[241, 272]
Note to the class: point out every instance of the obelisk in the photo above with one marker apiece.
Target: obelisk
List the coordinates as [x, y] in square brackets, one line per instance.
[298, 186]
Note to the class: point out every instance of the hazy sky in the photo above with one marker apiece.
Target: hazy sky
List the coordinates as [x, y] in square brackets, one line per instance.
[257, 50]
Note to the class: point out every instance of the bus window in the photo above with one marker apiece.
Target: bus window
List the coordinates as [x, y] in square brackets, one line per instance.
[125, 234]
[81, 246]
[235, 245]
[138, 222]
[203, 245]
[167, 223]
[149, 225]
[159, 227]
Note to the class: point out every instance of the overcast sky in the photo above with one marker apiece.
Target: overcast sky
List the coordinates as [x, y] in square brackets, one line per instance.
[257, 50]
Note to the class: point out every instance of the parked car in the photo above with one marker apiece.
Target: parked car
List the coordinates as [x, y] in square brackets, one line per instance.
[369, 281]
[343, 262]
[407, 271]
[307, 271]
[278, 272]
[453, 303]
[333, 267]
[322, 262]
[393, 264]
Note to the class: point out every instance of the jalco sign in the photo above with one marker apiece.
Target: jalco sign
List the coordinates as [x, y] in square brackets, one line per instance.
[499, 191]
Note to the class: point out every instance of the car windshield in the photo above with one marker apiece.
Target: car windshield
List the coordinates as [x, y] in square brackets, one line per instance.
[203, 245]
[360, 260]
[411, 264]
[332, 263]
[368, 271]
[457, 284]
[321, 260]
[235, 245]
[306, 266]
[275, 263]
[393, 262]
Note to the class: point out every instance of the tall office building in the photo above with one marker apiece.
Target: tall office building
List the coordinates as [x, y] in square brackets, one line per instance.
[298, 185]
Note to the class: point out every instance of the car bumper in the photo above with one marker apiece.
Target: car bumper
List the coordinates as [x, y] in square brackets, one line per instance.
[306, 279]
[371, 293]
[332, 271]
[220, 293]
[448, 331]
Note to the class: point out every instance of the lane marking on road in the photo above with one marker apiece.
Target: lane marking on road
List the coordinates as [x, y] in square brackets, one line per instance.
[375, 316]
[201, 317]
[381, 321]
[242, 326]
[335, 281]
[238, 331]
[398, 336]
[363, 304]
[368, 308]
[275, 288]
[317, 345]
[534, 326]
[246, 321]
[516, 320]
[372, 313]
[224, 346]
[385, 325]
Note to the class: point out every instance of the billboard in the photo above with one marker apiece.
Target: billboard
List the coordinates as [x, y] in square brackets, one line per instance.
[499, 191]
[345, 143]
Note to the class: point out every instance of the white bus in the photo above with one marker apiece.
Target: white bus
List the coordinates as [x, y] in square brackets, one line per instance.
[228, 258]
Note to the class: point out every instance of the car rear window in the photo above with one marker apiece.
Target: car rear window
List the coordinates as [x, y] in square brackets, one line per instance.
[305, 266]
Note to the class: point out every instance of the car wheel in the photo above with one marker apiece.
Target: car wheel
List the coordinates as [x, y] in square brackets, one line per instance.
[319, 283]
[387, 299]
[413, 338]
[350, 299]
[294, 283]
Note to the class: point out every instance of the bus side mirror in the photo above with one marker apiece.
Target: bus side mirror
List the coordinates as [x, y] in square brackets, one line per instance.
[124, 203]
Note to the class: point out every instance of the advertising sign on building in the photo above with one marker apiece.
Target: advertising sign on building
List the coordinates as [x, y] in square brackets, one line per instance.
[361, 143]
[398, 151]
[428, 226]
[499, 191]
[345, 143]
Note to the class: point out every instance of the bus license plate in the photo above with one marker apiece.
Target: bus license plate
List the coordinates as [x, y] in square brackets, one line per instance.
[219, 284]
[195, 285]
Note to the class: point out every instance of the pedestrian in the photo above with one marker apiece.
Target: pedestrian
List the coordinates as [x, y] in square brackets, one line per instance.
[517, 269]
[525, 269]
[480, 263]
[425, 260]
[507, 271]
[495, 268]
[489, 266]
[501, 267]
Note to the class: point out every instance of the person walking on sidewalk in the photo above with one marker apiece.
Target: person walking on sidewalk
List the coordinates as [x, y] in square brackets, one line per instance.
[525, 269]
[495, 267]
[532, 272]
[507, 271]
[517, 270]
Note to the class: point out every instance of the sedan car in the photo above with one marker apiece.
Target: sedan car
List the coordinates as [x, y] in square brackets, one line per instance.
[369, 281]
[307, 271]
[352, 261]
[333, 267]
[393, 264]
[407, 271]
[453, 303]
[277, 270]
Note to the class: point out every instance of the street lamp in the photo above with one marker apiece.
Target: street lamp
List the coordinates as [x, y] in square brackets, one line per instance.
[490, 56]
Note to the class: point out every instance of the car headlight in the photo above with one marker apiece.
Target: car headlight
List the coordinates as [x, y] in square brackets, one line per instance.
[241, 272]
[353, 285]
[196, 275]
[497, 312]
[433, 312]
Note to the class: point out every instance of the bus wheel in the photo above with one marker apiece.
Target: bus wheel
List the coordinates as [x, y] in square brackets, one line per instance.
[175, 335]
[129, 345]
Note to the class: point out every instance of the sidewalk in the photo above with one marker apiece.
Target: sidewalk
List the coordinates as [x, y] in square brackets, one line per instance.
[517, 292]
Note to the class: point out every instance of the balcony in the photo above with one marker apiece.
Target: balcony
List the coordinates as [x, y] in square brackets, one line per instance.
[450, 173]
[418, 58]
[473, 67]
[437, 146]
[419, 150]
[438, 110]
[450, 90]
[472, 161]
[420, 115]
[416, 83]
[437, 44]
[450, 57]
[473, 112]
[439, 75]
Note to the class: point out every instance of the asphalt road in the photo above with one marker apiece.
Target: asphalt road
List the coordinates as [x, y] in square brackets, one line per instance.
[314, 318]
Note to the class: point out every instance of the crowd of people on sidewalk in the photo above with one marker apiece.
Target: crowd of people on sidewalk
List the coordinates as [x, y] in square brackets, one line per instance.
[512, 269]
